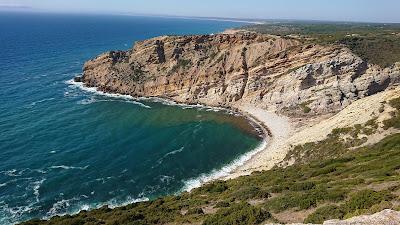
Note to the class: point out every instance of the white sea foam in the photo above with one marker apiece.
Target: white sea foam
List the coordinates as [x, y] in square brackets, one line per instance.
[131, 99]
[129, 200]
[69, 167]
[94, 90]
[159, 161]
[224, 171]
[104, 179]
[87, 101]
[183, 105]
[166, 179]
[40, 101]
[14, 213]
[36, 187]
[40, 171]
[60, 208]
[73, 206]
[174, 152]
[12, 173]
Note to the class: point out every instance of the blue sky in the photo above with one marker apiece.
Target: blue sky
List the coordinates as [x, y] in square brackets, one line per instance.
[338, 10]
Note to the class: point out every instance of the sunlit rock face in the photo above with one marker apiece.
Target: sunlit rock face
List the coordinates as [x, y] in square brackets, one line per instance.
[276, 73]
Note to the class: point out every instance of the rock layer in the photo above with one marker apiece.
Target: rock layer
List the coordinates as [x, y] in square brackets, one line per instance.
[272, 72]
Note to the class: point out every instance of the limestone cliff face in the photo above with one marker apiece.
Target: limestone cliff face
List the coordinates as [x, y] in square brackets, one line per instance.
[226, 69]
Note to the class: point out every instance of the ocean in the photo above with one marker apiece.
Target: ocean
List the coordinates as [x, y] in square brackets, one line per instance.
[66, 148]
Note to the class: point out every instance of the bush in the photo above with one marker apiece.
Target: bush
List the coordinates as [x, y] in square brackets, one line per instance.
[283, 202]
[250, 192]
[214, 187]
[306, 109]
[238, 214]
[395, 103]
[365, 199]
[195, 211]
[324, 171]
[395, 120]
[222, 204]
[305, 200]
[325, 213]
[392, 122]
[302, 186]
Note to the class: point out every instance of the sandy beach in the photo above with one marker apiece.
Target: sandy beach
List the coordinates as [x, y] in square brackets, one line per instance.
[278, 128]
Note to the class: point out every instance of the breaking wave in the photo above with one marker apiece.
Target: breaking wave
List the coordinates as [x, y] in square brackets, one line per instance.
[224, 171]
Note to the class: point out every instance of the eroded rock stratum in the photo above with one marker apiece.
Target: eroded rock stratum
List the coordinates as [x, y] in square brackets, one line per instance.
[276, 73]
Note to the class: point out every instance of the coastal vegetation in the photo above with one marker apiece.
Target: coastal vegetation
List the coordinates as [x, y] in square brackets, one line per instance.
[349, 181]
[376, 43]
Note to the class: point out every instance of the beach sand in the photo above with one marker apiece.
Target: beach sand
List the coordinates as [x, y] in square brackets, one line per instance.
[278, 127]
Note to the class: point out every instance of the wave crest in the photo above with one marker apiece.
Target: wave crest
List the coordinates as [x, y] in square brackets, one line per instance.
[224, 171]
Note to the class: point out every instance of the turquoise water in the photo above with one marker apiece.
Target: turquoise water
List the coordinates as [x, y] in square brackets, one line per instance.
[63, 149]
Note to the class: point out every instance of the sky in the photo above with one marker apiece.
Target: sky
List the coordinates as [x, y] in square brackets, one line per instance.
[331, 10]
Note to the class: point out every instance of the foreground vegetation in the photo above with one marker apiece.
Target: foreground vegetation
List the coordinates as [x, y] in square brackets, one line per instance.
[376, 43]
[357, 181]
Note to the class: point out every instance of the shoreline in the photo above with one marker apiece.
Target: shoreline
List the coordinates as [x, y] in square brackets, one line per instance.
[279, 128]
[246, 163]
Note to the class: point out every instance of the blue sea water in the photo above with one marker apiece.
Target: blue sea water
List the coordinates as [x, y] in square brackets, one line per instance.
[64, 149]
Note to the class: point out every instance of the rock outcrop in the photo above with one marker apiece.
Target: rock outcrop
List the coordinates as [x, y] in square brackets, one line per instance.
[272, 72]
[385, 217]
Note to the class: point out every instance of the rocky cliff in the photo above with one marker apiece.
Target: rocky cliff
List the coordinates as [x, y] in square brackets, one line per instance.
[279, 74]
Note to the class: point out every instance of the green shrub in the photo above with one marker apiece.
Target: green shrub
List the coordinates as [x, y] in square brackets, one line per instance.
[214, 187]
[324, 171]
[365, 199]
[307, 202]
[222, 204]
[306, 109]
[278, 188]
[195, 211]
[306, 199]
[238, 214]
[395, 103]
[302, 186]
[283, 202]
[333, 195]
[325, 213]
[250, 192]
[392, 122]
[181, 63]
[395, 120]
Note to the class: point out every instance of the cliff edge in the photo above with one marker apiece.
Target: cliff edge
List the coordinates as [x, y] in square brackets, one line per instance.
[279, 74]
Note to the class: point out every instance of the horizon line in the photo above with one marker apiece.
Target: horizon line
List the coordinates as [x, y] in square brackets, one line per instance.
[256, 21]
